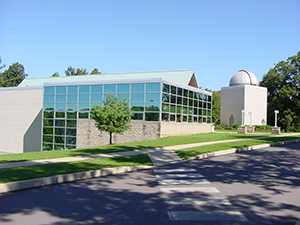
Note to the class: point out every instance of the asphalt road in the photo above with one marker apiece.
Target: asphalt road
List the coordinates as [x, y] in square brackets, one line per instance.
[256, 187]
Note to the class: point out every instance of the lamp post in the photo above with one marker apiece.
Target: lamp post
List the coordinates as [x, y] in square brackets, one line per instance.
[276, 112]
[250, 113]
[243, 113]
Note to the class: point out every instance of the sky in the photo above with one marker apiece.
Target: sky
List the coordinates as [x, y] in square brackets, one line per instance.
[215, 38]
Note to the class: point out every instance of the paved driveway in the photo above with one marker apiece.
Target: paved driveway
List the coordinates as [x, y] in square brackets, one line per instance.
[257, 187]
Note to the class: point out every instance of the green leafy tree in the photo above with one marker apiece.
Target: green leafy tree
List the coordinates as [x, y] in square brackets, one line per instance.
[13, 76]
[113, 117]
[1, 66]
[56, 74]
[216, 107]
[71, 71]
[95, 71]
[283, 83]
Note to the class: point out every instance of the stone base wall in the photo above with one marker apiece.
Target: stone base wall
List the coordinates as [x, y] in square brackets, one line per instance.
[275, 130]
[177, 129]
[246, 130]
[89, 136]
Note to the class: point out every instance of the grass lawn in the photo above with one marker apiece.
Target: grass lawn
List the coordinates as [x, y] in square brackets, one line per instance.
[167, 141]
[191, 152]
[37, 171]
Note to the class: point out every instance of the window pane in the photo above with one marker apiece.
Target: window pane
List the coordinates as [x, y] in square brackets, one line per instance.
[84, 98]
[152, 97]
[59, 123]
[60, 98]
[83, 115]
[96, 88]
[191, 94]
[137, 116]
[172, 117]
[199, 119]
[137, 87]
[59, 147]
[209, 98]
[48, 98]
[185, 93]
[179, 100]
[172, 108]
[137, 106]
[190, 102]
[153, 87]
[137, 97]
[152, 106]
[47, 147]
[71, 132]
[166, 88]
[84, 89]
[70, 146]
[165, 107]
[71, 123]
[72, 98]
[173, 90]
[208, 112]
[72, 115]
[195, 111]
[60, 114]
[190, 119]
[185, 101]
[165, 117]
[178, 117]
[208, 120]
[184, 110]
[179, 109]
[49, 90]
[60, 106]
[47, 130]
[204, 105]
[200, 96]
[72, 106]
[195, 103]
[173, 99]
[83, 106]
[72, 89]
[96, 97]
[165, 97]
[123, 95]
[61, 90]
[151, 116]
[190, 110]
[204, 120]
[179, 91]
[184, 118]
[48, 106]
[59, 131]
[109, 88]
[48, 139]
[48, 123]
[48, 114]
[59, 140]
[123, 88]
[71, 140]
[195, 119]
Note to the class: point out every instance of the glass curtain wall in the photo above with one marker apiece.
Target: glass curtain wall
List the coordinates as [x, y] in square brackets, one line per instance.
[65, 105]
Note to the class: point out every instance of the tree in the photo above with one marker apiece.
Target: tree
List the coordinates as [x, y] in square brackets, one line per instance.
[1, 66]
[113, 117]
[56, 74]
[13, 76]
[216, 106]
[71, 71]
[283, 83]
[95, 71]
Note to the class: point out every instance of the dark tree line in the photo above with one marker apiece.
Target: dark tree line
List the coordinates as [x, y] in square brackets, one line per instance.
[13, 76]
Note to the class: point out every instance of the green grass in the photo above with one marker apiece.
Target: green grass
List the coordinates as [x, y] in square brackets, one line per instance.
[167, 141]
[37, 171]
[191, 152]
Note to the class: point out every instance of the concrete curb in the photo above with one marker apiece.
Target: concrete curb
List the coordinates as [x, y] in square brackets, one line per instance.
[39, 182]
[244, 149]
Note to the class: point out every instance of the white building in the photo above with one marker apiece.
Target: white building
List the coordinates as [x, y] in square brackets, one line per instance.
[243, 94]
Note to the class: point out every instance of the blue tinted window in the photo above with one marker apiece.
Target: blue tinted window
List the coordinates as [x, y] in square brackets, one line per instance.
[137, 87]
[49, 90]
[109, 88]
[96, 97]
[72, 89]
[84, 98]
[61, 90]
[60, 106]
[60, 98]
[153, 87]
[96, 88]
[123, 87]
[83, 106]
[137, 106]
[84, 89]
[72, 98]
[152, 97]
[152, 106]
[49, 106]
[48, 98]
[72, 106]
[123, 95]
[137, 97]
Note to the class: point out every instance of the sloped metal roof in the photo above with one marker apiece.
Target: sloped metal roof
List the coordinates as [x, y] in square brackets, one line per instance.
[182, 77]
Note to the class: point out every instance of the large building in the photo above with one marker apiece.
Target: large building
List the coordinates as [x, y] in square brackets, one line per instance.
[54, 113]
[243, 102]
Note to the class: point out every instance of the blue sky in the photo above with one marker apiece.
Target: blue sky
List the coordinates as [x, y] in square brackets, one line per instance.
[214, 38]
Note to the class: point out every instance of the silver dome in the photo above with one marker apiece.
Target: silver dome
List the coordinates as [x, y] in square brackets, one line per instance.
[244, 77]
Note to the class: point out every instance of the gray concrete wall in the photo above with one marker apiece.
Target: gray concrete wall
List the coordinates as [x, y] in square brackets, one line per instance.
[20, 119]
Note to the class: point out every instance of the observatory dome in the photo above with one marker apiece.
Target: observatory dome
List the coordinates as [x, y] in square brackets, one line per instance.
[244, 77]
